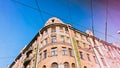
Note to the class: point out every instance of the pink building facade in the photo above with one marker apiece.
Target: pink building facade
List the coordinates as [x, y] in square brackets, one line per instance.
[59, 45]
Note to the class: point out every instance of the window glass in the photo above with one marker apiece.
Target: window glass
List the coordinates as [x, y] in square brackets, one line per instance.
[70, 52]
[53, 29]
[81, 55]
[73, 65]
[88, 56]
[53, 39]
[45, 54]
[54, 65]
[66, 65]
[64, 51]
[54, 51]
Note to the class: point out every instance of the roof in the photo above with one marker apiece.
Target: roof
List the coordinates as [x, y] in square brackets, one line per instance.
[53, 20]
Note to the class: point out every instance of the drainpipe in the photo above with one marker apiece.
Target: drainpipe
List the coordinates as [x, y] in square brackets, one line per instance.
[37, 51]
[77, 58]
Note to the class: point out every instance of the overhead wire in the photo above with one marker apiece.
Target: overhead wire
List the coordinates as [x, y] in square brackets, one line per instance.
[36, 1]
[62, 18]
[38, 9]
[106, 20]
[92, 16]
[93, 46]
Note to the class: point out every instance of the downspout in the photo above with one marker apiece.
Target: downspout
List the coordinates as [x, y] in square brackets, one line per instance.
[75, 49]
[37, 51]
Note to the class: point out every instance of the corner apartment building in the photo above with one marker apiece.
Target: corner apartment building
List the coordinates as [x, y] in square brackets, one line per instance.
[59, 45]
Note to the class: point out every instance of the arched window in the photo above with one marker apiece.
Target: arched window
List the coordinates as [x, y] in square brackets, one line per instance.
[44, 66]
[66, 65]
[54, 65]
[73, 65]
[85, 66]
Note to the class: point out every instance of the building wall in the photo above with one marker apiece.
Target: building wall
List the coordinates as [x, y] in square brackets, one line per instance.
[56, 34]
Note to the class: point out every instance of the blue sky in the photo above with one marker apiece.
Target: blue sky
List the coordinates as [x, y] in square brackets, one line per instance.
[19, 24]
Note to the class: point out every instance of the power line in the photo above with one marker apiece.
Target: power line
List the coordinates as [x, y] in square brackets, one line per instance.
[97, 31]
[36, 1]
[92, 17]
[64, 18]
[106, 20]
[38, 9]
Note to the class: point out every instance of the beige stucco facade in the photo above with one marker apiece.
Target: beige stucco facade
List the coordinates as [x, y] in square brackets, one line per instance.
[59, 45]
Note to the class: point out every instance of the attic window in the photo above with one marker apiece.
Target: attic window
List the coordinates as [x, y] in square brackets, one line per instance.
[52, 20]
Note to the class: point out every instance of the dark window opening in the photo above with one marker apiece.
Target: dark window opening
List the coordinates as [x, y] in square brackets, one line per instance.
[54, 65]
[26, 63]
[28, 53]
[66, 65]
[70, 52]
[52, 20]
[85, 66]
[88, 56]
[73, 65]
[45, 54]
[81, 55]
[53, 29]
[44, 66]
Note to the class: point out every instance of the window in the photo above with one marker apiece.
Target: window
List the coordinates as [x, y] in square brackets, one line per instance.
[53, 39]
[66, 30]
[52, 20]
[45, 41]
[70, 52]
[62, 38]
[81, 55]
[85, 66]
[64, 51]
[54, 65]
[61, 29]
[73, 65]
[53, 29]
[44, 66]
[54, 51]
[26, 64]
[40, 56]
[68, 40]
[75, 34]
[45, 32]
[77, 42]
[103, 61]
[80, 36]
[88, 56]
[84, 45]
[95, 59]
[66, 65]
[45, 54]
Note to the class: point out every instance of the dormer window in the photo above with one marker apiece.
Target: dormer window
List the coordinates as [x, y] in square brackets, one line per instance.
[53, 20]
